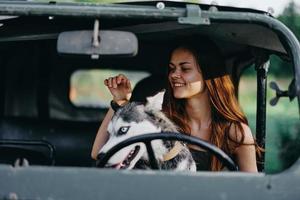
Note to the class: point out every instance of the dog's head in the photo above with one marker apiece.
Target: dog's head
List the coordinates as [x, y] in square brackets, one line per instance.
[131, 120]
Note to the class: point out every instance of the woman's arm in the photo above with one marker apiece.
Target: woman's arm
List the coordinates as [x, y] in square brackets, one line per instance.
[245, 154]
[120, 88]
[102, 135]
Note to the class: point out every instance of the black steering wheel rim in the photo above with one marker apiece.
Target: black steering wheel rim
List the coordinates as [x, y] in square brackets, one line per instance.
[147, 138]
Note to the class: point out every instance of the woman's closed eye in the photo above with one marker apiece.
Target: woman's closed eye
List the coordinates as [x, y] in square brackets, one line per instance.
[185, 69]
[171, 68]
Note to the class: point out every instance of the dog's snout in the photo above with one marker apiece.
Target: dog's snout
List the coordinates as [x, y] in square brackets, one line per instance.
[100, 156]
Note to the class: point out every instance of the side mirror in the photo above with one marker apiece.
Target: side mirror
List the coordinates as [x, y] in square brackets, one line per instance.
[111, 43]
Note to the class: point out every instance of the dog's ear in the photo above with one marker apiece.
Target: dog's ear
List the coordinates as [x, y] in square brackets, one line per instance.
[155, 102]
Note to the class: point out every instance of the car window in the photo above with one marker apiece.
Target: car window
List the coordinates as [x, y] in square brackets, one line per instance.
[282, 120]
[87, 88]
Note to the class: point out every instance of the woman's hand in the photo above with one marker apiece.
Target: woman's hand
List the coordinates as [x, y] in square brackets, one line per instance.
[120, 88]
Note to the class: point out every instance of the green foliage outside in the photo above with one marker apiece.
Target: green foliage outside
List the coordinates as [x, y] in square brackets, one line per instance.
[282, 125]
[291, 18]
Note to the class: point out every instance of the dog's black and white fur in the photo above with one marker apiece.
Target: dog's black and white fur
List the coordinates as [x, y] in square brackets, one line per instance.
[136, 119]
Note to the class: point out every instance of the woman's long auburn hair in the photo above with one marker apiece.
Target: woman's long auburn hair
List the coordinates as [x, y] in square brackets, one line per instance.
[225, 110]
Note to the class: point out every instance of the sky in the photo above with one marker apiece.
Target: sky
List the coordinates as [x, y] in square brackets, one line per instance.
[277, 5]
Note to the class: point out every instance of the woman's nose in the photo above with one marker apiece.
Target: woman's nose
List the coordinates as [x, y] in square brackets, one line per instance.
[175, 74]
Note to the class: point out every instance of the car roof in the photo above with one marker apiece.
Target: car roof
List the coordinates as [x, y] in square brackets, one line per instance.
[145, 10]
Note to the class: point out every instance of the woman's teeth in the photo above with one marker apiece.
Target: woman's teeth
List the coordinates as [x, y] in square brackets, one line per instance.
[178, 84]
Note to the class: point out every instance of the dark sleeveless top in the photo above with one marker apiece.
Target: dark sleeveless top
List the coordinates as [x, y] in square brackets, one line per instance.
[202, 159]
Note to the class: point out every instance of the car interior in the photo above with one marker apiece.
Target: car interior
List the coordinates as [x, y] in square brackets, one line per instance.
[42, 118]
[55, 56]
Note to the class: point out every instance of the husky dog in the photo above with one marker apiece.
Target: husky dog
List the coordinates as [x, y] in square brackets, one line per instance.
[136, 119]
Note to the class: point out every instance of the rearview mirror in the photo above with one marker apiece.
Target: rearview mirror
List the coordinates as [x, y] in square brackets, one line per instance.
[111, 43]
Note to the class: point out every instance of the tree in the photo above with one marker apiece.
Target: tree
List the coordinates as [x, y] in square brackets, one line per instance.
[291, 19]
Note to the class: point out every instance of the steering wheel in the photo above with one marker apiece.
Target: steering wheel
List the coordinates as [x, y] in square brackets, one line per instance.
[147, 138]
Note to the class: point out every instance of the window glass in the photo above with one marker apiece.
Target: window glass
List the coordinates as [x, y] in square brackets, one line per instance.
[282, 120]
[87, 87]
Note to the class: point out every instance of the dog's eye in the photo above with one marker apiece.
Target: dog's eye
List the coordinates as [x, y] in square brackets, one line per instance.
[123, 130]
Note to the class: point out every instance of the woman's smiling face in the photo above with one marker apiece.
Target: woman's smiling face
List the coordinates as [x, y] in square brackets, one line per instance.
[185, 77]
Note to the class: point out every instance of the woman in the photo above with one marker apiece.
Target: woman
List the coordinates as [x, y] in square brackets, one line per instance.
[201, 101]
